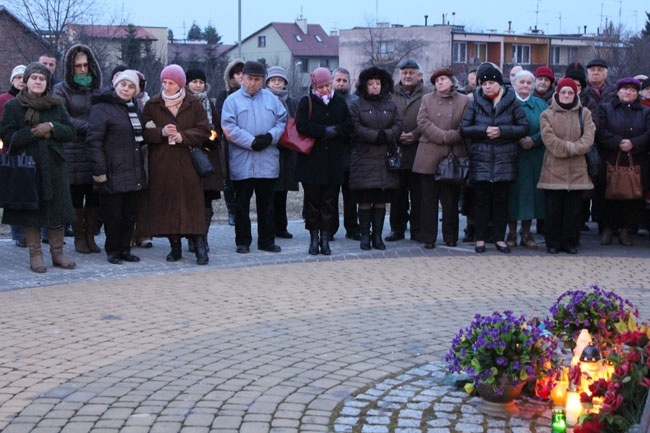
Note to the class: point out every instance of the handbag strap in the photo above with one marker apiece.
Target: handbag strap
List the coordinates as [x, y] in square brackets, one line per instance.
[582, 122]
[629, 157]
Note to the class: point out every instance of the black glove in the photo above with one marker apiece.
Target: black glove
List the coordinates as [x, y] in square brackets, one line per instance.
[261, 142]
[381, 137]
[330, 131]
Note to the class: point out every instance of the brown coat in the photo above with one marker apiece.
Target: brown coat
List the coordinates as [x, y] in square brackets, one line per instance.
[565, 166]
[176, 204]
[408, 109]
[439, 120]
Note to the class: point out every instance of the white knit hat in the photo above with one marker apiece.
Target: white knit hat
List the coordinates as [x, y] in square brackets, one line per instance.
[18, 70]
[128, 75]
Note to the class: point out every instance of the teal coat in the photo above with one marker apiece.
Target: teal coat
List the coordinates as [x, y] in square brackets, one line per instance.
[54, 191]
[526, 202]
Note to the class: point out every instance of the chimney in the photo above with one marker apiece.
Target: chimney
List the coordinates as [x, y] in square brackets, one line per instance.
[426, 20]
[302, 23]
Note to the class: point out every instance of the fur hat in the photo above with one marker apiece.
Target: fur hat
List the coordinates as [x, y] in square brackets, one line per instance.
[254, 68]
[320, 77]
[18, 70]
[37, 68]
[387, 83]
[277, 71]
[597, 62]
[566, 82]
[488, 72]
[193, 74]
[628, 81]
[440, 72]
[576, 71]
[545, 71]
[129, 75]
[175, 73]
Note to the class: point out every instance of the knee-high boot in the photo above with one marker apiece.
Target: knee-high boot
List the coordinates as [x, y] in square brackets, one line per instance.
[378, 217]
[313, 242]
[78, 230]
[364, 228]
[208, 220]
[91, 215]
[33, 240]
[56, 249]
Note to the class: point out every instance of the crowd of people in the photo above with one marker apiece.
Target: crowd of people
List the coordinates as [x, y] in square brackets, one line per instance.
[111, 155]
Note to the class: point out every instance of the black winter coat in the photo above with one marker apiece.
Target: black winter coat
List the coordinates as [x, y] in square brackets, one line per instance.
[112, 147]
[617, 121]
[326, 162]
[494, 160]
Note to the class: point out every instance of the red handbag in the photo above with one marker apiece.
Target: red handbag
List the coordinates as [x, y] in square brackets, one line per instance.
[293, 140]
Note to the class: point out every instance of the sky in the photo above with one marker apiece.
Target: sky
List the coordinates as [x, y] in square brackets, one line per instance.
[550, 16]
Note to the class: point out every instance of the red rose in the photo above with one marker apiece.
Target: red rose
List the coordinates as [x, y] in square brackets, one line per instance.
[612, 401]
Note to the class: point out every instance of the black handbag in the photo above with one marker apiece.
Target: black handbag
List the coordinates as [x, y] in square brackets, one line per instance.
[394, 157]
[18, 182]
[201, 161]
[453, 169]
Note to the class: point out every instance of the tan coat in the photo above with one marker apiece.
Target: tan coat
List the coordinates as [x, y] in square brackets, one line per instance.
[439, 119]
[565, 166]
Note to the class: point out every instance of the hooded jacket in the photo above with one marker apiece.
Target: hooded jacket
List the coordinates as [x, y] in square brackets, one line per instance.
[370, 115]
[77, 100]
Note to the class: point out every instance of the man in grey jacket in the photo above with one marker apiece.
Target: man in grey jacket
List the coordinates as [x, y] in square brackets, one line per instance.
[253, 120]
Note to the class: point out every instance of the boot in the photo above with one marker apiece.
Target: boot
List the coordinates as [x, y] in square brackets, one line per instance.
[378, 216]
[90, 225]
[176, 252]
[364, 228]
[325, 243]
[313, 242]
[56, 249]
[201, 254]
[33, 240]
[624, 237]
[608, 234]
[80, 242]
[191, 246]
[208, 220]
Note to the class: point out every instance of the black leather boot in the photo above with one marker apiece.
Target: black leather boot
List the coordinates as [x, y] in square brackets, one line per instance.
[325, 243]
[364, 228]
[201, 253]
[313, 242]
[176, 252]
[378, 217]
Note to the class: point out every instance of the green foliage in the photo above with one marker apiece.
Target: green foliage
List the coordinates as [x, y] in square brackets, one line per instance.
[195, 33]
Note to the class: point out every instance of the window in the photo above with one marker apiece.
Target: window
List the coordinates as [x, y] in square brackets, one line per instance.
[318, 38]
[385, 47]
[520, 54]
[572, 54]
[556, 58]
[459, 52]
[304, 65]
[481, 52]
[298, 38]
[324, 63]
[261, 41]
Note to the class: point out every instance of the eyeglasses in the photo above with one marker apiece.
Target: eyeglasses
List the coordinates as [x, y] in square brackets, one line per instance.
[81, 66]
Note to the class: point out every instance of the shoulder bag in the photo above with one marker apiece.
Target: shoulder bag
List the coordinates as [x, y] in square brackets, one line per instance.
[293, 140]
[394, 157]
[201, 161]
[623, 183]
[18, 182]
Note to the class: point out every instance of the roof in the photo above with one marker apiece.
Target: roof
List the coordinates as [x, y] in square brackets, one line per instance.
[110, 32]
[21, 23]
[316, 43]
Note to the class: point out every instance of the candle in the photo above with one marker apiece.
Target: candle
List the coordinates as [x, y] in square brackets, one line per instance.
[558, 422]
[573, 408]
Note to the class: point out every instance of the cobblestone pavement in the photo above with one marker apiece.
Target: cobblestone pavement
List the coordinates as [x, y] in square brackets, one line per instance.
[279, 343]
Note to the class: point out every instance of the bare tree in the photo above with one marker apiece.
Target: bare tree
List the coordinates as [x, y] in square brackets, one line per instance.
[625, 52]
[380, 49]
[49, 18]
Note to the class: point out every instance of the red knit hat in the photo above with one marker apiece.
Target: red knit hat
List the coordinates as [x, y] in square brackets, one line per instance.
[566, 82]
[545, 71]
[175, 73]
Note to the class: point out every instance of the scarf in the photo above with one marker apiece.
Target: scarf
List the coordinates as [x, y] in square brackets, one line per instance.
[566, 106]
[173, 102]
[83, 80]
[132, 109]
[35, 104]
[205, 101]
[324, 97]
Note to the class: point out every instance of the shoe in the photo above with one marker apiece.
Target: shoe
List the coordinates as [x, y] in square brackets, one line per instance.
[479, 248]
[451, 244]
[429, 246]
[242, 249]
[552, 250]
[313, 242]
[607, 236]
[284, 235]
[273, 248]
[511, 240]
[128, 257]
[528, 241]
[325, 243]
[502, 249]
[21, 243]
[201, 252]
[572, 250]
[624, 237]
[114, 258]
[355, 236]
[394, 236]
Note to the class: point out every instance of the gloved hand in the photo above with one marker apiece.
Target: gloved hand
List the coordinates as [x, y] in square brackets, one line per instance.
[261, 142]
[100, 179]
[381, 137]
[330, 132]
[42, 130]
